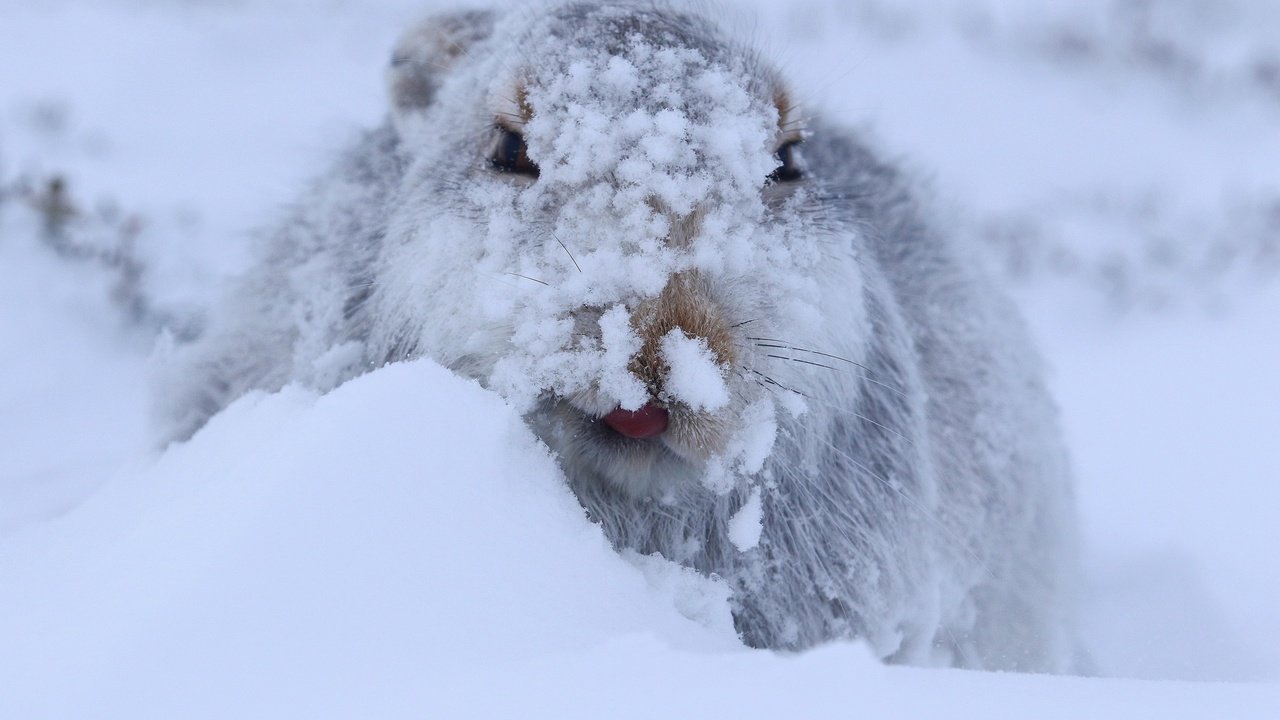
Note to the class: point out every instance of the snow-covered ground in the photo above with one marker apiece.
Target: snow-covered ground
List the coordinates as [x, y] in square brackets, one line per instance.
[403, 547]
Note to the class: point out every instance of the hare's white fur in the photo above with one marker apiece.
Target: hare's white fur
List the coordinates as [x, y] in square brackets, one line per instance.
[882, 399]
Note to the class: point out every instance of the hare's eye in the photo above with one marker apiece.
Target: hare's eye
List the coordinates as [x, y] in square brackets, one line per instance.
[790, 169]
[510, 154]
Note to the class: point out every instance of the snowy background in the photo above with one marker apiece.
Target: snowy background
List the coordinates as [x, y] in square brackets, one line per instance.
[1116, 161]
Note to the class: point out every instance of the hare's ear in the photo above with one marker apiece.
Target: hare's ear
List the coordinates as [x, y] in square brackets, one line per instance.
[425, 55]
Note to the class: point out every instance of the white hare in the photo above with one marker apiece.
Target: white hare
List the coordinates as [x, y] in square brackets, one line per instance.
[728, 319]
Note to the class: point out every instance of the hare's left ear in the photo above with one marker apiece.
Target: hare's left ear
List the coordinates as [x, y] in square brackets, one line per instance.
[425, 55]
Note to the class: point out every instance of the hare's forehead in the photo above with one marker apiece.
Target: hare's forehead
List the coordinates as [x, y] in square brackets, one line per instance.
[637, 74]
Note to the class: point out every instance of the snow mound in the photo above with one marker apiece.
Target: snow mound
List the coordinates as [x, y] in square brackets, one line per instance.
[405, 524]
[403, 547]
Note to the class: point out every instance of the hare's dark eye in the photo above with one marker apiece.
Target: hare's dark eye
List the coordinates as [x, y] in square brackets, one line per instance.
[510, 154]
[789, 170]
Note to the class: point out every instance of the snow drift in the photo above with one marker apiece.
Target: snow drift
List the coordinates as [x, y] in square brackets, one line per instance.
[401, 547]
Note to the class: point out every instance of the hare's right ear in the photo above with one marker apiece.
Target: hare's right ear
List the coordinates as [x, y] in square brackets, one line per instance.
[426, 54]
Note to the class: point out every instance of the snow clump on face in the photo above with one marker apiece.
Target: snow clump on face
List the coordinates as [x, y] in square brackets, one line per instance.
[694, 376]
[651, 161]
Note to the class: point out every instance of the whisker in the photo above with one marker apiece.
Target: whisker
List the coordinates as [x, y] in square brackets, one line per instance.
[781, 345]
[566, 252]
[511, 121]
[775, 383]
[806, 362]
[519, 119]
[965, 655]
[526, 277]
[832, 406]
[882, 426]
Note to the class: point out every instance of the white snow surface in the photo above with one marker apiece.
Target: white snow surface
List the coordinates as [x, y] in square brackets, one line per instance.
[402, 547]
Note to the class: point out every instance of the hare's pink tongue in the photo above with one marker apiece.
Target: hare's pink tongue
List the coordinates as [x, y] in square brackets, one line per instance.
[647, 422]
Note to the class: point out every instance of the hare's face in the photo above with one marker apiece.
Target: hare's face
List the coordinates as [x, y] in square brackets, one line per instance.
[611, 203]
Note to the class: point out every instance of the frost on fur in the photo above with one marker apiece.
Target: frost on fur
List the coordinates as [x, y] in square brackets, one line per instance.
[749, 356]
